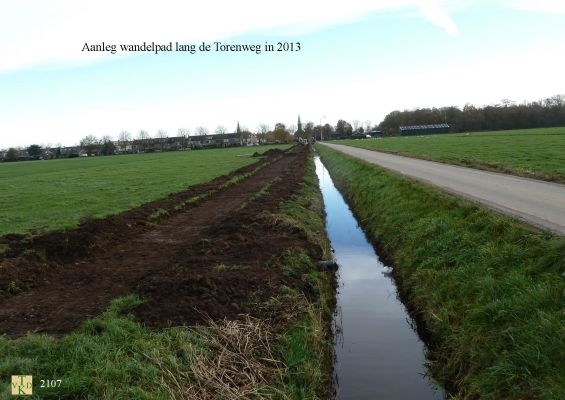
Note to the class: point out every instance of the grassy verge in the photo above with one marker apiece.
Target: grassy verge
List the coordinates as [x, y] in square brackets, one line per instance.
[488, 289]
[113, 356]
[306, 348]
[533, 153]
[57, 194]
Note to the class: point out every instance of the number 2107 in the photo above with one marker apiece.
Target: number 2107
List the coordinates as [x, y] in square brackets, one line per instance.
[50, 383]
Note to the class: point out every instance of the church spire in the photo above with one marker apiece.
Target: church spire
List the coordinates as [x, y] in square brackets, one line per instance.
[238, 131]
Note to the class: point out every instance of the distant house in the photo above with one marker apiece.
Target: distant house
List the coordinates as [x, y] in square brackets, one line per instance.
[70, 152]
[47, 154]
[123, 147]
[202, 141]
[414, 130]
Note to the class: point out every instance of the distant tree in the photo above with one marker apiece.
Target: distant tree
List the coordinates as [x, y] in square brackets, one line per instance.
[123, 140]
[368, 126]
[143, 137]
[89, 144]
[327, 131]
[105, 138]
[34, 151]
[262, 130]
[506, 115]
[201, 131]
[281, 134]
[220, 131]
[356, 124]
[343, 128]
[107, 148]
[184, 133]
[12, 154]
[162, 136]
[317, 132]
[48, 151]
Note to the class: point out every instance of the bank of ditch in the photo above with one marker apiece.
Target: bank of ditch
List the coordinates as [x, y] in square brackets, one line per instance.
[486, 290]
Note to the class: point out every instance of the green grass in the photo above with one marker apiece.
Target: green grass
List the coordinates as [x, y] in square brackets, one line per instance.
[107, 358]
[306, 348]
[489, 289]
[114, 357]
[57, 194]
[534, 153]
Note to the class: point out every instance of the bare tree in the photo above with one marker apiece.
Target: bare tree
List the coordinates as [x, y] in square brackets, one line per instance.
[262, 130]
[201, 130]
[368, 127]
[184, 133]
[162, 136]
[123, 140]
[356, 123]
[143, 137]
[220, 130]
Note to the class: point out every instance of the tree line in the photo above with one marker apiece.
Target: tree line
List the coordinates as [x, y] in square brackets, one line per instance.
[506, 115]
[106, 145]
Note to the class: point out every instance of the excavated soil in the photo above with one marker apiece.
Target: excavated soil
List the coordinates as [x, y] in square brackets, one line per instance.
[209, 259]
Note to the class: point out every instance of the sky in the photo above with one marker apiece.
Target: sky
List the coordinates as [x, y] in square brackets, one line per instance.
[358, 60]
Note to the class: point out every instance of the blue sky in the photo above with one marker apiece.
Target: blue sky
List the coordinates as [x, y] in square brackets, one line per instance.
[358, 61]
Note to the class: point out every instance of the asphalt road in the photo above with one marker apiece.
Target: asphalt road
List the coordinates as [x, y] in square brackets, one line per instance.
[538, 203]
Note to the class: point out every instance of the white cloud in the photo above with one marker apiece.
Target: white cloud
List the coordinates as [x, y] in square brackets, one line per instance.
[433, 12]
[37, 32]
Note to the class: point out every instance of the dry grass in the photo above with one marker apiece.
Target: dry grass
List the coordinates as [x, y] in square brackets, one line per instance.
[238, 364]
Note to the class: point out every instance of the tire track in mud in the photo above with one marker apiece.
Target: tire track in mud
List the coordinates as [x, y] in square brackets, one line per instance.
[159, 260]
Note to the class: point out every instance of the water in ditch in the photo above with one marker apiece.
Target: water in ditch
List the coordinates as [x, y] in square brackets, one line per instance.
[378, 353]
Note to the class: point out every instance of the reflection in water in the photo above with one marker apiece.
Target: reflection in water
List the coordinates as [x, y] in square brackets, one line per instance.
[378, 353]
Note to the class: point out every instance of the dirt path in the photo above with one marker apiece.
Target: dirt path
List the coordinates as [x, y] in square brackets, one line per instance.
[162, 262]
[538, 203]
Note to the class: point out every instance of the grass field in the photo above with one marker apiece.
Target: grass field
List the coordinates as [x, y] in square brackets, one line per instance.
[489, 289]
[57, 194]
[112, 356]
[535, 153]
